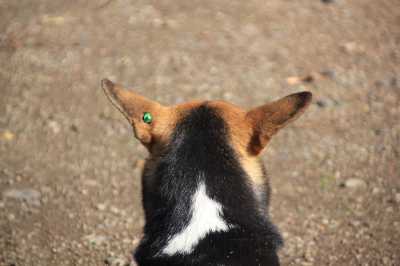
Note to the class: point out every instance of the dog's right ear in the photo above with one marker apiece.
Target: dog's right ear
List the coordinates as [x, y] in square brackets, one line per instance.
[268, 119]
[148, 118]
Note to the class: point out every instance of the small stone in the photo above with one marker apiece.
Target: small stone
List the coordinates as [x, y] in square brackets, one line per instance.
[101, 206]
[387, 82]
[380, 83]
[350, 47]
[90, 183]
[157, 22]
[354, 183]
[375, 190]
[386, 261]
[397, 197]
[378, 132]
[328, 73]
[116, 261]
[327, 102]
[395, 82]
[95, 240]
[228, 96]
[74, 128]
[11, 217]
[327, 1]
[54, 126]
[31, 196]
[7, 135]
[355, 223]
[250, 30]
[136, 241]
[172, 23]
[293, 80]
[126, 241]
[308, 79]
[115, 210]
[56, 20]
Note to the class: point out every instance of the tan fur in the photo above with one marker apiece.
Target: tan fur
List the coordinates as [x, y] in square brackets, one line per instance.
[268, 119]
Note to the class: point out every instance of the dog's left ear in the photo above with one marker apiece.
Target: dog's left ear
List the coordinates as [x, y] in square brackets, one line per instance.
[268, 119]
[148, 118]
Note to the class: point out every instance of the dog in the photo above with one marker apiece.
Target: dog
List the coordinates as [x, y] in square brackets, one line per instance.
[205, 191]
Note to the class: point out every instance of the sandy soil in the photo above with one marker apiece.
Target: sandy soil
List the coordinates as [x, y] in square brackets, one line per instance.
[70, 167]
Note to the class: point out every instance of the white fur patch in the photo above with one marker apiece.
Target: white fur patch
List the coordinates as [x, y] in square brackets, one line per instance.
[206, 217]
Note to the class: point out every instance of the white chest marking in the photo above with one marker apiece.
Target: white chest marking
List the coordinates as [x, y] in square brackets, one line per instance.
[206, 217]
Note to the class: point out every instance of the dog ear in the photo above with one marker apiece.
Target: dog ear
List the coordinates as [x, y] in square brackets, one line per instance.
[266, 120]
[142, 113]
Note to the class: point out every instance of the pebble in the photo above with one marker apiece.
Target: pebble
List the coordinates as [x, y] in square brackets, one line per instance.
[397, 197]
[380, 83]
[354, 183]
[116, 261]
[355, 223]
[376, 190]
[101, 206]
[55, 20]
[54, 126]
[74, 128]
[95, 240]
[132, 263]
[352, 47]
[386, 261]
[328, 73]
[326, 102]
[115, 210]
[126, 241]
[228, 96]
[11, 217]
[388, 82]
[7, 135]
[91, 183]
[294, 80]
[31, 196]
[395, 82]
[325, 221]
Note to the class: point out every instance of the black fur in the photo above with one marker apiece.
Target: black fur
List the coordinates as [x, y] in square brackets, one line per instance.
[200, 151]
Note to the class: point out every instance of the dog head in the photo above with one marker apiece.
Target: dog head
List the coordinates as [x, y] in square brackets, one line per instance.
[248, 131]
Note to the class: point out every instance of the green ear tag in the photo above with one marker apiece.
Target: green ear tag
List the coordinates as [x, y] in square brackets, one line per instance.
[147, 118]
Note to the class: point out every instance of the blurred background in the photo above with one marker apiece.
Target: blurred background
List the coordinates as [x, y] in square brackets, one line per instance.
[70, 166]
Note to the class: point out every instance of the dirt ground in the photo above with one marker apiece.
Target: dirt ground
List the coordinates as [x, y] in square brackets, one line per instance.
[70, 166]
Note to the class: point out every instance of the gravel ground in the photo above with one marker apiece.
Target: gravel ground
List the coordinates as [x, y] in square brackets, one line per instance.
[70, 167]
